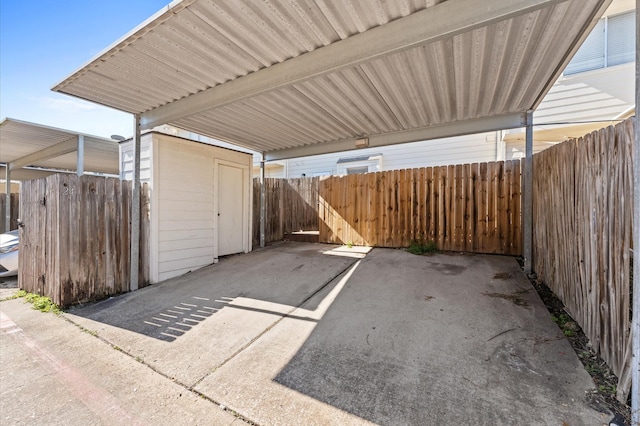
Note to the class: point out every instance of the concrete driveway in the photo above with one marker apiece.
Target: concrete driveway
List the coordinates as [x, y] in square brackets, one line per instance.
[315, 334]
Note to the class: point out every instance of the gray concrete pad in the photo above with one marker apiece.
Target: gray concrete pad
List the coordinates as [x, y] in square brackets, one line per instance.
[53, 373]
[189, 326]
[313, 334]
[445, 339]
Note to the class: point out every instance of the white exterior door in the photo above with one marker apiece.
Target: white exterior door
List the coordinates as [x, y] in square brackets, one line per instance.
[230, 210]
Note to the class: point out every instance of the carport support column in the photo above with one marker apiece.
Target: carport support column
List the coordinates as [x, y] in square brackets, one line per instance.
[263, 204]
[7, 215]
[635, 321]
[527, 211]
[135, 207]
[80, 156]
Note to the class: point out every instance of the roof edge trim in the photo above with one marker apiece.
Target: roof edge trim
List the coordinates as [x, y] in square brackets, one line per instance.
[56, 129]
[147, 25]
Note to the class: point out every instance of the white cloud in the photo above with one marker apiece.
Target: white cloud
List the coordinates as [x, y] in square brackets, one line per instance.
[65, 105]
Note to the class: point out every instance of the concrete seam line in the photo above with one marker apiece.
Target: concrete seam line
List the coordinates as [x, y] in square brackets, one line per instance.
[155, 370]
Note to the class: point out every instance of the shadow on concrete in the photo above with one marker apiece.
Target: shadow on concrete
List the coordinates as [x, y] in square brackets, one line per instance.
[178, 319]
[315, 334]
[273, 282]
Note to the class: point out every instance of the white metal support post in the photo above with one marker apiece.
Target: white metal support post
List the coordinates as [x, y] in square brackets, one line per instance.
[135, 207]
[263, 206]
[635, 321]
[527, 211]
[80, 156]
[7, 216]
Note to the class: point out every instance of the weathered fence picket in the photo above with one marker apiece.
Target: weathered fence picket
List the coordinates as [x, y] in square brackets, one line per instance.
[291, 205]
[15, 211]
[75, 244]
[470, 207]
[582, 222]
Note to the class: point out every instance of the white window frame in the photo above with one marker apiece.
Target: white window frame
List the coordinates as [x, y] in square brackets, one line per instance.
[605, 21]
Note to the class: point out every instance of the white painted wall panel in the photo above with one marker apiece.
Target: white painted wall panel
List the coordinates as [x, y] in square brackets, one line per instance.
[516, 150]
[593, 95]
[185, 174]
[126, 159]
[181, 176]
[462, 149]
[184, 237]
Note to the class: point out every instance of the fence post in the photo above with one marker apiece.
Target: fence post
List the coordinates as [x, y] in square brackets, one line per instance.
[527, 211]
[635, 321]
[135, 207]
[7, 209]
[80, 156]
[262, 203]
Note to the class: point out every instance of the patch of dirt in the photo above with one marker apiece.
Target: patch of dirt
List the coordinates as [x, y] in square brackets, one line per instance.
[603, 397]
[513, 297]
[502, 276]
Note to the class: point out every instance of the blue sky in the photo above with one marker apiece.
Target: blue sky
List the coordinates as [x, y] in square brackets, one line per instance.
[44, 41]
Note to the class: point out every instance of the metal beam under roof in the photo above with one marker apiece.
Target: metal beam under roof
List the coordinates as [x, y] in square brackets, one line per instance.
[303, 77]
[42, 147]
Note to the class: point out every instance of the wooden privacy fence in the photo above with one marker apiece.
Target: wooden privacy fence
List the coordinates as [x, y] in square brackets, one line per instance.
[15, 209]
[469, 207]
[583, 213]
[75, 242]
[291, 205]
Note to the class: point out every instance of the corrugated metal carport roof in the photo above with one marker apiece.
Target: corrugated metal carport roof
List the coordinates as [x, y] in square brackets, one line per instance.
[301, 77]
[28, 144]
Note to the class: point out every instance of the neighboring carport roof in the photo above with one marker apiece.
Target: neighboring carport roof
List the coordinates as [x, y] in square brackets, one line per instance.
[306, 77]
[29, 173]
[24, 144]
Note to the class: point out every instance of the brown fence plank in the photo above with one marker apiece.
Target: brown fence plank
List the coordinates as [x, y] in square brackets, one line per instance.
[582, 227]
[470, 207]
[75, 243]
[14, 200]
[291, 205]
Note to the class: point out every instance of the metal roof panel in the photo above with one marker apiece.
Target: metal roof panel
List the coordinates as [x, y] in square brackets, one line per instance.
[470, 72]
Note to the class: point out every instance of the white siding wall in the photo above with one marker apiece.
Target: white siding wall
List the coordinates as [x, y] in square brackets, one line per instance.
[181, 176]
[462, 149]
[184, 211]
[516, 150]
[593, 95]
[276, 169]
[597, 95]
[126, 159]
